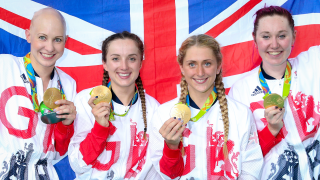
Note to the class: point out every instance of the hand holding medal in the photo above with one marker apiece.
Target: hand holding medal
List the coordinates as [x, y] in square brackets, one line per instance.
[100, 104]
[173, 128]
[274, 103]
[55, 109]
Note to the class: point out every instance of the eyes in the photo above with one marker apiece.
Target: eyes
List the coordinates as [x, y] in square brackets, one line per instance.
[130, 59]
[205, 64]
[282, 36]
[44, 38]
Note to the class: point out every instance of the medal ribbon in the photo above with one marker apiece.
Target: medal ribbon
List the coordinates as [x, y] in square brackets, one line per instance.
[286, 85]
[207, 105]
[33, 82]
[112, 113]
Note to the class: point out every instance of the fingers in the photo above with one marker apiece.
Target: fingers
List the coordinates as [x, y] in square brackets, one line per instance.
[90, 102]
[272, 111]
[171, 129]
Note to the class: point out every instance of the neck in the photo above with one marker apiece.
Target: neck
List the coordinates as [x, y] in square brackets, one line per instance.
[275, 71]
[43, 72]
[200, 98]
[125, 94]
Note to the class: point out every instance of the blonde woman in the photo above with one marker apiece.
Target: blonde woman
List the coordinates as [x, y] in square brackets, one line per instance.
[220, 140]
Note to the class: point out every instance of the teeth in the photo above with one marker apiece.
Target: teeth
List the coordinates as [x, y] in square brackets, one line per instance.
[200, 81]
[47, 55]
[123, 75]
[274, 53]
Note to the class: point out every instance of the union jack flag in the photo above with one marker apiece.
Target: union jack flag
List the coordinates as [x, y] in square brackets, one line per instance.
[162, 25]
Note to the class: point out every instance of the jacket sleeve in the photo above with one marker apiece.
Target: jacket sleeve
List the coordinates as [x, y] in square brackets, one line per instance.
[251, 155]
[88, 141]
[158, 156]
[62, 136]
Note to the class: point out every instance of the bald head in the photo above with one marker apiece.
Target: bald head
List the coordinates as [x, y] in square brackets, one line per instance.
[50, 16]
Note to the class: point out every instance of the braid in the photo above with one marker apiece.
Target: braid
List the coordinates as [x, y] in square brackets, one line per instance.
[143, 104]
[105, 78]
[184, 90]
[224, 111]
[183, 96]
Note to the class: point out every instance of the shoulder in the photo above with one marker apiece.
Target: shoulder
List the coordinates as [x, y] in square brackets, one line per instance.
[235, 105]
[9, 60]
[166, 107]
[84, 93]
[65, 77]
[304, 58]
[247, 78]
[151, 101]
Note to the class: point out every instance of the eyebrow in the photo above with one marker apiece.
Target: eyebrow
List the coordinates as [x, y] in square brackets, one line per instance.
[269, 32]
[201, 60]
[119, 55]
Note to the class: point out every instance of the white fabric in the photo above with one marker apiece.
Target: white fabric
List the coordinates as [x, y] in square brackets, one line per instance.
[16, 108]
[302, 111]
[129, 127]
[205, 136]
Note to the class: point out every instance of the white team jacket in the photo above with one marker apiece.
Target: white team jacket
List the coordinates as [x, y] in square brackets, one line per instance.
[203, 143]
[26, 143]
[297, 156]
[125, 143]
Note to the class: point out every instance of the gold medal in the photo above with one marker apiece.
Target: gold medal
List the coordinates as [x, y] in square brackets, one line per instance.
[104, 94]
[50, 96]
[273, 100]
[181, 111]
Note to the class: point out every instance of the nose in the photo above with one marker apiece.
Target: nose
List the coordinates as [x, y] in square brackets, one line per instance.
[124, 64]
[49, 46]
[200, 71]
[274, 43]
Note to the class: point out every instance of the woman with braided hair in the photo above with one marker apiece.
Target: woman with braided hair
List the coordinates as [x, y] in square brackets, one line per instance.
[220, 140]
[111, 140]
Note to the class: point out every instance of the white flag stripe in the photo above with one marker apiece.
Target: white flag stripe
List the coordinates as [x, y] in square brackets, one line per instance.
[137, 18]
[73, 59]
[182, 16]
[241, 30]
[230, 80]
[76, 28]
[12, 29]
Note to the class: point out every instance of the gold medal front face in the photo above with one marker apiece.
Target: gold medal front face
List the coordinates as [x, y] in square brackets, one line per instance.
[104, 94]
[181, 111]
[51, 96]
[273, 100]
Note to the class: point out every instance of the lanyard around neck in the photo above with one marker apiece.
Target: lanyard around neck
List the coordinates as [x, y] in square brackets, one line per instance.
[33, 82]
[112, 113]
[207, 105]
[286, 85]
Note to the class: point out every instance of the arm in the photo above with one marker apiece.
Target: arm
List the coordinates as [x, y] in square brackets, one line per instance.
[171, 163]
[158, 150]
[267, 140]
[252, 159]
[62, 136]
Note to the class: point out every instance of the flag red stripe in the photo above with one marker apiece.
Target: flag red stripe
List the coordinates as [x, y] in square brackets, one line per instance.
[160, 70]
[243, 57]
[24, 23]
[91, 77]
[14, 19]
[225, 24]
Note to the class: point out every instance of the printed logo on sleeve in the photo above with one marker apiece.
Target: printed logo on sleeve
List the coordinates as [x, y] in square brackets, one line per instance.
[24, 79]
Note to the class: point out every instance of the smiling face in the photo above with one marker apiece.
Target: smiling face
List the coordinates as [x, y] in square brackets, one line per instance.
[47, 38]
[274, 39]
[200, 68]
[123, 63]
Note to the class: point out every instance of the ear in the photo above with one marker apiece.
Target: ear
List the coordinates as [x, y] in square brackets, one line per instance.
[104, 64]
[66, 39]
[294, 37]
[28, 35]
[254, 40]
[181, 69]
[140, 65]
[219, 69]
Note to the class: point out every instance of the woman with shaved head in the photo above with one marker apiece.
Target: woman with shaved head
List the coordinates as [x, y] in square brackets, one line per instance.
[27, 144]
